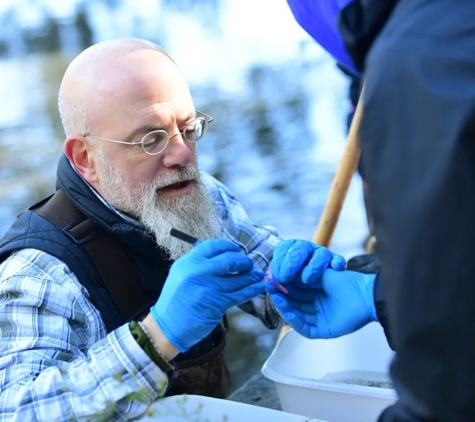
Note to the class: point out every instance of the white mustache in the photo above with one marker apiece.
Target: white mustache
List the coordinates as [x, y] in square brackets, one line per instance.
[174, 176]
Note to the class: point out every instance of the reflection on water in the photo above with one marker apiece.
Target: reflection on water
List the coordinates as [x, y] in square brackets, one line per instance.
[278, 101]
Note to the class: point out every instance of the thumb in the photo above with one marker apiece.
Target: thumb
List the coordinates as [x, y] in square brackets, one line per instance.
[247, 293]
[338, 262]
[295, 259]
[212, 247]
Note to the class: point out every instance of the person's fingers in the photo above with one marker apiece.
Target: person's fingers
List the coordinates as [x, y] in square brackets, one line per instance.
[282, 304]
[247, 293]
[271, 288]
[285, 305]
[338, 262]
[279, 254]
[318, 263]
[301, 326]
[311, 331]
[212, 247]
[302, 294]
[229, 262]
[233, 283]
[294, 261]
[307, 325]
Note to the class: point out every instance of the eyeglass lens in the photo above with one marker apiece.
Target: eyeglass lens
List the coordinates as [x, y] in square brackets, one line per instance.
[156, 141]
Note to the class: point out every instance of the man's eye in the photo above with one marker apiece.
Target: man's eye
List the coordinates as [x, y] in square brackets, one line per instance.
[154, 141]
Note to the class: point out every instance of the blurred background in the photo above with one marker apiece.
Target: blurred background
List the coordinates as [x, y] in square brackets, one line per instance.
[279, 102]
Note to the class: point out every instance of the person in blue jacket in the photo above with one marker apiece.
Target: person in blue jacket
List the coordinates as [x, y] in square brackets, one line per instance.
[417, 58]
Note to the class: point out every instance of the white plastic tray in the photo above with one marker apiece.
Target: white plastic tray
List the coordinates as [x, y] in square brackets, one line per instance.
[193, 408]
[307, 375]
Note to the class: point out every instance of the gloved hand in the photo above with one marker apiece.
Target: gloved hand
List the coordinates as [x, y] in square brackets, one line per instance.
[337, 303]
[295, 260]
[201, 286]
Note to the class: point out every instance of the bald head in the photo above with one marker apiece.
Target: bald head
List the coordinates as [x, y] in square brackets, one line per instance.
[101, 76]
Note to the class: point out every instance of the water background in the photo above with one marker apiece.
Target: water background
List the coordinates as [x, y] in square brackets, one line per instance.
[278, 100]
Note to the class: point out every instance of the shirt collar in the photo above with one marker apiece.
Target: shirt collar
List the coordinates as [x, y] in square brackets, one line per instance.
[125, 217]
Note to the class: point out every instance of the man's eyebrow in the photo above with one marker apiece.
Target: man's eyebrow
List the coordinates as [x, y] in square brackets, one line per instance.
[189, 117]
[142, 131]
[150, 128]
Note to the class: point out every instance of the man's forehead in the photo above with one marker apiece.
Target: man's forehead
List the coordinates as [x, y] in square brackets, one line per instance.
[151, 98]
[179, 107]
[129, 120]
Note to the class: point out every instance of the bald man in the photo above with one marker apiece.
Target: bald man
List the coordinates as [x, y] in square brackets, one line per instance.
[101, 310]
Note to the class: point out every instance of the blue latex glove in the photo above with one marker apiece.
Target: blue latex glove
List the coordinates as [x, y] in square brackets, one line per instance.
[201, 286]
[295, 260]
[337, 303]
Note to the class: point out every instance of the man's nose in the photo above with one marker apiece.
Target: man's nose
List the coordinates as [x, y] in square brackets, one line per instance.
[178, 152]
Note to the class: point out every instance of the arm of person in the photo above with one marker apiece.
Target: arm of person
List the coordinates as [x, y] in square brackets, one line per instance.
[162, 344]
[56, 361]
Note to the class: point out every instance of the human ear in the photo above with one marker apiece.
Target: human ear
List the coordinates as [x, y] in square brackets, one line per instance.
[82, 156]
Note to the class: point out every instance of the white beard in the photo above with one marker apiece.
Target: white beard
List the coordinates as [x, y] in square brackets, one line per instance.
[193, 213]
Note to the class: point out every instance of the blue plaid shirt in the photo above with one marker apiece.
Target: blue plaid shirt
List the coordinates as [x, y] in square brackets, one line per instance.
[57, 362]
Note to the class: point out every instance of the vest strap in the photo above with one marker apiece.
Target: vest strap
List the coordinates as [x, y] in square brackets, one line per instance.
[112, 264]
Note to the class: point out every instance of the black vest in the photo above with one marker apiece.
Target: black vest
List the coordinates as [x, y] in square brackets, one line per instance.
[149, 262]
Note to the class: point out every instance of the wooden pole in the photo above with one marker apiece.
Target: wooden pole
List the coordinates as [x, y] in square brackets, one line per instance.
[341, 182]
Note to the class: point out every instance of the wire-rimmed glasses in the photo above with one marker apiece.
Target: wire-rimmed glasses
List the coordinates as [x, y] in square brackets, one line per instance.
[155, 142]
